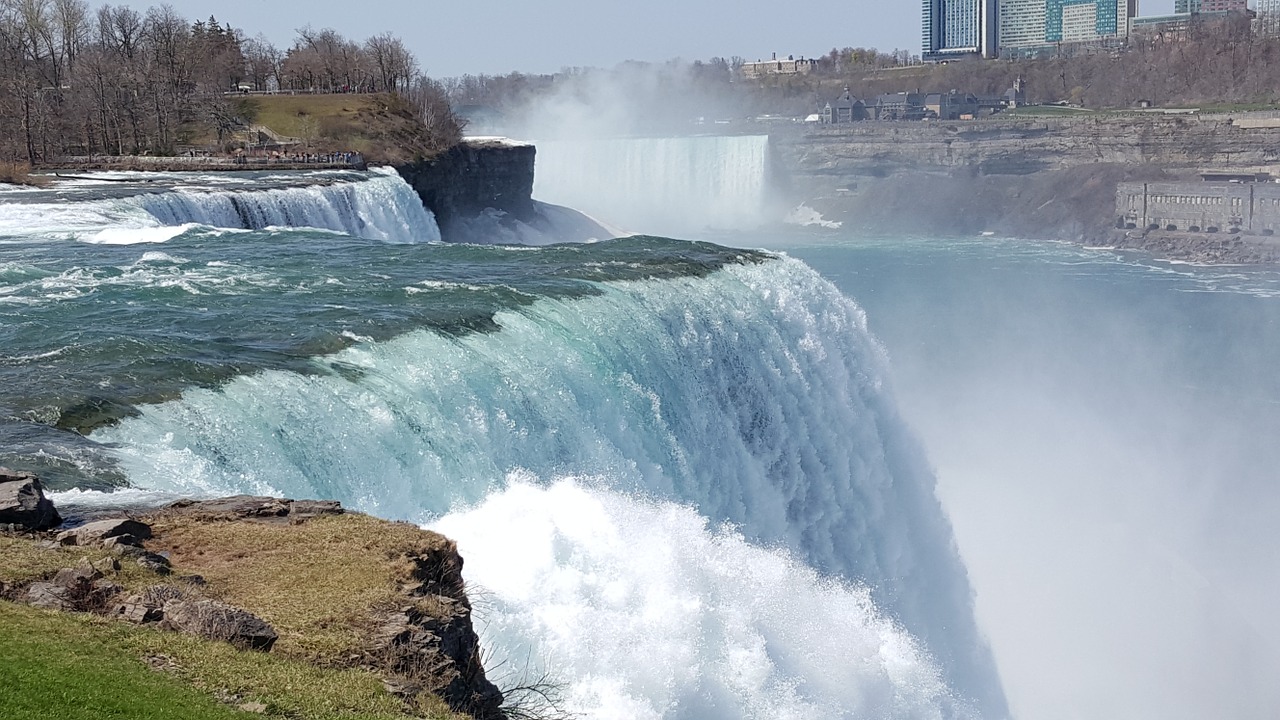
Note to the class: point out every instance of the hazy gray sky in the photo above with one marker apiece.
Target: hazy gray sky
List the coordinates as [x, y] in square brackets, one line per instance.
[485, 36]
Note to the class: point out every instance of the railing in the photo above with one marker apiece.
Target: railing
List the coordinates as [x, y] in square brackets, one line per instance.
[197, 162]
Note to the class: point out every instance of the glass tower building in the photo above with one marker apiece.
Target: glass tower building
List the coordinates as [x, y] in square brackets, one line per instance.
[952, 28]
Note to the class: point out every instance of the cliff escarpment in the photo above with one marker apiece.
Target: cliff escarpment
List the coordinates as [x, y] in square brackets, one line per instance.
[472, 177]
[481, 191]
[1045, 179]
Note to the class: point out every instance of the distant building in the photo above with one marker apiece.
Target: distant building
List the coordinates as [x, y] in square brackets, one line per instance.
[790, 66]
[1178, 26]
[1244, 203]
[1268, 15]
[1085, 20]
[846, 109]
[1022, 24]
[1208, 6]
[1016, 96]
[958, 28]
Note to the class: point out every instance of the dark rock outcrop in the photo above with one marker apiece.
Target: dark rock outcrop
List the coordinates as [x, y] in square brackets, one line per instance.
[431, 645]
[23, 504]
[215, 620]
[472, 177]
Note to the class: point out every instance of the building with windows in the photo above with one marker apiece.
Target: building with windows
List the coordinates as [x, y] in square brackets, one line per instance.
[1268, 15]
[958, 28]
[1209, 6]
[1022, 24]
[1086, 20]
[790, 66]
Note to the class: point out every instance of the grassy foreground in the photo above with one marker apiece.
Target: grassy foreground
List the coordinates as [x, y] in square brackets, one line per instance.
[322, 584]
[70, 666]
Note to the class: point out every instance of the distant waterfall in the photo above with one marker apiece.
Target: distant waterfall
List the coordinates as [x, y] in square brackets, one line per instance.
[669, 185]
[383, 207]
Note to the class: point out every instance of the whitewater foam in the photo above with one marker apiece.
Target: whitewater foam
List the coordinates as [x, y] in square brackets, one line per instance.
[378, 206]
[642, 611]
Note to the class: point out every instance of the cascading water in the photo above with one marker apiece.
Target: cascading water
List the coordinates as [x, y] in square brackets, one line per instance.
[754, 394]
[377, 205]
[381, 208]
[673, 185]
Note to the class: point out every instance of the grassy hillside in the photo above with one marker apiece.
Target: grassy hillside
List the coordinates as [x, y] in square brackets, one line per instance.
[384, 127]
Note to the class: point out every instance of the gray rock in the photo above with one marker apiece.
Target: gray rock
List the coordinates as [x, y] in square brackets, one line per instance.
[146, 606]
[102, 530]
[22, 502]
[77, 579]
[234, 508]
[155, 564]
[215, 620]
[50, 596]
[302, 509]
[256, 507]
[121, 540]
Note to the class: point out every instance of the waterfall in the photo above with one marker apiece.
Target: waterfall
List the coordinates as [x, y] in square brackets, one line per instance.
[674, 185]
[754, 394]
[383, 207]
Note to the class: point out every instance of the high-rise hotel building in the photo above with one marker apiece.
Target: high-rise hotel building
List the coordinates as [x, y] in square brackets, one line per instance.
[956, 28]
[1030, 24]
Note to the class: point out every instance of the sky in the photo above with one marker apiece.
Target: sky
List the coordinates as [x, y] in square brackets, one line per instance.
[487, 36]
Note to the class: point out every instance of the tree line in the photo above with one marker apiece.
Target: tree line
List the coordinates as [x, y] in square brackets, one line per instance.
[1213, 61]
[76, 81]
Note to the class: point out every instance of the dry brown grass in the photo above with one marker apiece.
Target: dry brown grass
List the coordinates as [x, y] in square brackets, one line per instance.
[318, 583]
[18, 173]
[23, 561]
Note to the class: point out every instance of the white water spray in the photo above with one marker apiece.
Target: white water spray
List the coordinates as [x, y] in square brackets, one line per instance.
[644, 612]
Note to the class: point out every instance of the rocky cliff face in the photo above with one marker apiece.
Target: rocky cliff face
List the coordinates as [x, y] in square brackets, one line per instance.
[832, 154]
[472, 177]
[1049, 179]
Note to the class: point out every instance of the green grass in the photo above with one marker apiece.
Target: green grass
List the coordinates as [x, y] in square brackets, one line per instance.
[58, 665]
[1237, 107]
[303, 115]
[1045, 111]
[321, 584]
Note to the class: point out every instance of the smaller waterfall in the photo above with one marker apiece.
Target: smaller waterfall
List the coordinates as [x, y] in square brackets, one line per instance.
[668, 185]
[383, 207]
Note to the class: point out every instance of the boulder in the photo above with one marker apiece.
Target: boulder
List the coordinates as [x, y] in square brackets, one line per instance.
[215, 620]
[146, 606]
[50, 596]
[22, 502]
[103, 530]
[236, 507]
[256, 507]
[157, 564]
